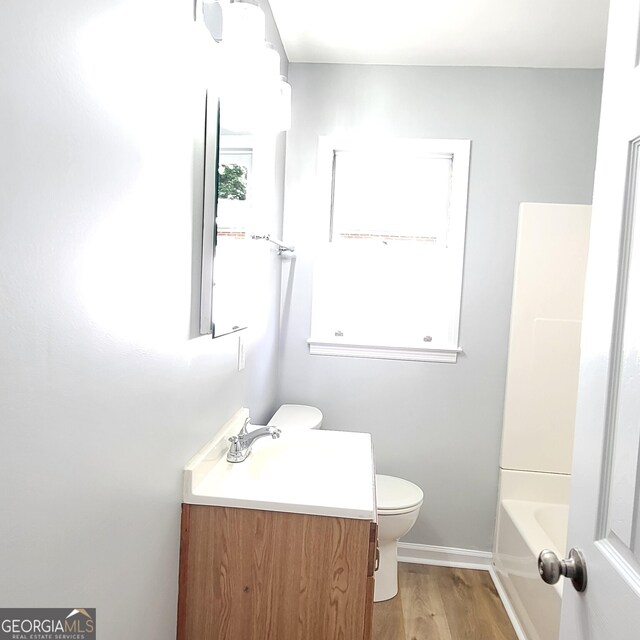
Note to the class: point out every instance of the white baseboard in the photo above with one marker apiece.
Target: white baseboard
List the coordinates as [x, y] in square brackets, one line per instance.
[444, 556]
[508, 607]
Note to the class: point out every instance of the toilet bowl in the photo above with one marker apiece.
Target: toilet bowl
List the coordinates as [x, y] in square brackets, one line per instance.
[398, 503]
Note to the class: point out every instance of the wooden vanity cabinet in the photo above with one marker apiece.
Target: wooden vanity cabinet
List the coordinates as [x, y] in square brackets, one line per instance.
[264, 575]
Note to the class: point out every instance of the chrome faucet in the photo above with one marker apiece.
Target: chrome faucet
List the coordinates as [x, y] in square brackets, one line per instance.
[241, 444]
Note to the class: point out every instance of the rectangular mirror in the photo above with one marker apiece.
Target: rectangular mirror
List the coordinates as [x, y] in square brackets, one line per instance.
[226, 199]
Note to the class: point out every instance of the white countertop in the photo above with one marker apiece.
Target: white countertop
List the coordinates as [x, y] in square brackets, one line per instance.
[317, 472]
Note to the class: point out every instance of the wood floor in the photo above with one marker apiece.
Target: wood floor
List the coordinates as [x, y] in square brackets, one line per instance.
[439, 603]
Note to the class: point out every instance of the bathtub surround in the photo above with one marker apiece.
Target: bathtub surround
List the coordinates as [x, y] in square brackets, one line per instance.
[544, 344]
[533, 138]
[103, 395]
[540, 406]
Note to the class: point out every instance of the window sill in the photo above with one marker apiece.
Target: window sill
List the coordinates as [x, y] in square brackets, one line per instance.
[415, 354]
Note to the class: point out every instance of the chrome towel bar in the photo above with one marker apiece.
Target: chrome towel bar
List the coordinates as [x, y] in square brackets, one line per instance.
[281, 246]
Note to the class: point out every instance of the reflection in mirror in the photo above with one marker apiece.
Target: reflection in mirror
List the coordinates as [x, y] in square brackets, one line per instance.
[234, 218]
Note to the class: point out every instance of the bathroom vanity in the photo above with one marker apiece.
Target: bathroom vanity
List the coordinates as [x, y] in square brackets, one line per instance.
[282, 545]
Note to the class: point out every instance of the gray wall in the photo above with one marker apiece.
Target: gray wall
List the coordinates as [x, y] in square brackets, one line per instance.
[262, 341]
[104, 392]
[533, 138]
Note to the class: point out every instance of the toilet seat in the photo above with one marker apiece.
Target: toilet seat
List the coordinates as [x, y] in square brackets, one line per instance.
[398, 512]
[395, 496]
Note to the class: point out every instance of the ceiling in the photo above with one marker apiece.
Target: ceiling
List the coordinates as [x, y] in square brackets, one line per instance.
[503, 33]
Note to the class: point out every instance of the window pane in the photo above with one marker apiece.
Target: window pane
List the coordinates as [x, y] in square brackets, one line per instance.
[389, 281]
[391, 199]
[395, 295]
[234, 193]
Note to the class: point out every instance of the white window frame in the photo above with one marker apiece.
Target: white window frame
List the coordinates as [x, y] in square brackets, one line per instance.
[459, 150]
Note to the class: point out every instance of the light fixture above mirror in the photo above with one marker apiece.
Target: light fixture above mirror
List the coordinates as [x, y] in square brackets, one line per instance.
[254, 97]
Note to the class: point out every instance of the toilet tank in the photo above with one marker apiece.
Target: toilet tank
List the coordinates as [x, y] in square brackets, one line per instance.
[296, 416]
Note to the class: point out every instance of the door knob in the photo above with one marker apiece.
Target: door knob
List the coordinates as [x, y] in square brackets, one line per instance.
[574, 568]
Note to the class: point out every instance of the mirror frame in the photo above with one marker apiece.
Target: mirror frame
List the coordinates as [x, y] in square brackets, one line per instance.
[209, 206]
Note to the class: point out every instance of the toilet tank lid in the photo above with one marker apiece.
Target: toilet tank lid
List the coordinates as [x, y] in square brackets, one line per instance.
[297, 416]
[396, 493]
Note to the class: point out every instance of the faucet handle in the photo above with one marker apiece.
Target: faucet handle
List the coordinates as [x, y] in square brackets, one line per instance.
[275, 432]
[243, 431]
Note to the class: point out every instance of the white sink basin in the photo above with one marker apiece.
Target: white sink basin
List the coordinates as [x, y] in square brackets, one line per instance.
[317, 472]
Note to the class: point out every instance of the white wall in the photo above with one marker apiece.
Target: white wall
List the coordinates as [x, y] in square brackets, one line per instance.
[104, 391]
[533, 138]
[262, 355]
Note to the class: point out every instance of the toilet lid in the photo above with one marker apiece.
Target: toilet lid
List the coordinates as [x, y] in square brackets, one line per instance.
[296, 416]
[395, 493]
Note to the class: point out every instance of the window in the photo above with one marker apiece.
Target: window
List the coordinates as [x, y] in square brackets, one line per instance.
[388, 282]
[234, 188]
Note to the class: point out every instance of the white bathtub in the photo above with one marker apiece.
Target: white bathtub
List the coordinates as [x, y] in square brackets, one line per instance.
[524, 528]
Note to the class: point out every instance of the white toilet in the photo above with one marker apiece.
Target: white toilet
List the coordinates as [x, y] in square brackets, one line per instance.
[296, 416]
[398, 502]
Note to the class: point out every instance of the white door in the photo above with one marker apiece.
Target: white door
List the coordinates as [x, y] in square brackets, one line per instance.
[605, 504]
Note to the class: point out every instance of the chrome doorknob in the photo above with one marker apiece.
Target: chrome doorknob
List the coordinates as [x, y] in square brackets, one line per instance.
[551, 568]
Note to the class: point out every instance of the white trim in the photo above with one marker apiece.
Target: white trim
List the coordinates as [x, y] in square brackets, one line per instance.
[444, 556]
[506, 603]
[417, 354]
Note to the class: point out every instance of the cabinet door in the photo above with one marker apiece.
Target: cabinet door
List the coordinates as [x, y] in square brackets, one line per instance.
[259, 575]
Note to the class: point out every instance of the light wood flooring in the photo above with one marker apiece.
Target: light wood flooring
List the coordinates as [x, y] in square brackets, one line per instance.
[440, 603]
